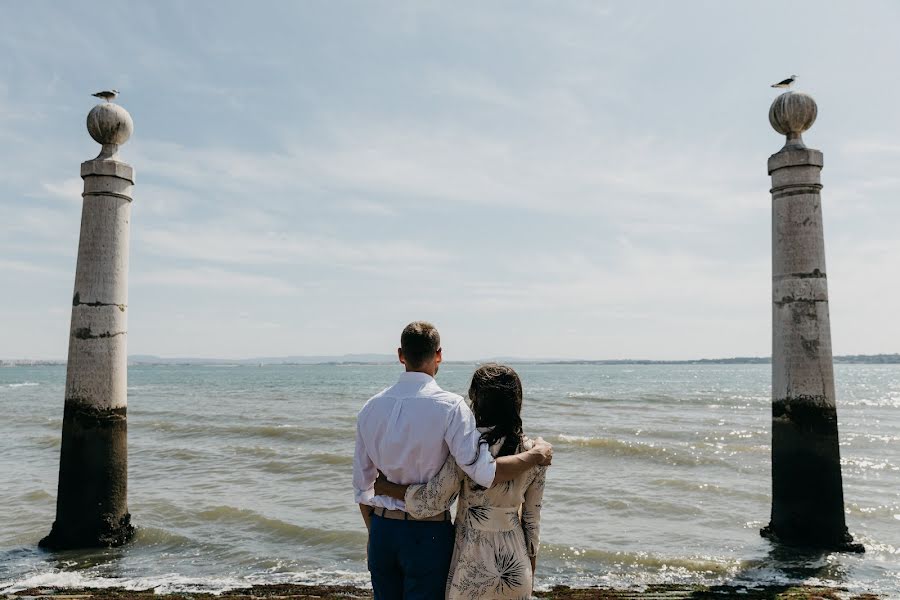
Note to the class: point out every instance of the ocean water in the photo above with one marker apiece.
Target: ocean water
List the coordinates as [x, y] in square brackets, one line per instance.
[241, 475]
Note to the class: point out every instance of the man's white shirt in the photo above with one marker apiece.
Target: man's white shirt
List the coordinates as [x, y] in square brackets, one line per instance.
[407, 431]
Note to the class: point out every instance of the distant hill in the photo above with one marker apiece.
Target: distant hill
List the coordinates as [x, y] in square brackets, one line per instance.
[862, 359]
[389, 359]
[368, 359]
[739, 360]
[869, 359]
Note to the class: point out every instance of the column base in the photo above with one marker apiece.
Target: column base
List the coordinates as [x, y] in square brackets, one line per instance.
[110, 534]
[844, 543]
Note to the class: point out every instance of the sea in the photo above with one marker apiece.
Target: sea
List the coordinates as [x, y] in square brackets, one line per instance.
[241, 475]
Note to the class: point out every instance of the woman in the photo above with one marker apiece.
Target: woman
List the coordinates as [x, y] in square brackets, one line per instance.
[497, 529]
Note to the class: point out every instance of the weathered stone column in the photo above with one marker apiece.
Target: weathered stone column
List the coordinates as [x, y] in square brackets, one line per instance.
[92, 502]
[807, 490]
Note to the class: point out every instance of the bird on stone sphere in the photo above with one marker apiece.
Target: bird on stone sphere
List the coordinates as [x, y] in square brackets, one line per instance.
[786, 83]
[108, 95]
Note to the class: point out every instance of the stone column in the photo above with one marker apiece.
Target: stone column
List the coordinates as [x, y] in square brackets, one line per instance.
[92, 501]
[807, 490]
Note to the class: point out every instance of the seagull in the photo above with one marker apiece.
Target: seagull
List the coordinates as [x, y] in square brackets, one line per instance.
[108, 95]
[785, 83]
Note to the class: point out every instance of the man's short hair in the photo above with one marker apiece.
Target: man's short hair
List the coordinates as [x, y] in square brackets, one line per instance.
[419, 341]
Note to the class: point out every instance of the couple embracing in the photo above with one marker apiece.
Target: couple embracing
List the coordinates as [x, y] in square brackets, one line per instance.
[419, 448]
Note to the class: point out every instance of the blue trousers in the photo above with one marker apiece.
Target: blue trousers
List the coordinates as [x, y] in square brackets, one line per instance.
[409, 560]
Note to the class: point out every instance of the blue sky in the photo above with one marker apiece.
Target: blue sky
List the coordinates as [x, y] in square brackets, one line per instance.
[565, 179]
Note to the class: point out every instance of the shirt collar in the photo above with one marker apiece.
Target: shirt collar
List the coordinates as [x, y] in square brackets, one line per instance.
[415, 377]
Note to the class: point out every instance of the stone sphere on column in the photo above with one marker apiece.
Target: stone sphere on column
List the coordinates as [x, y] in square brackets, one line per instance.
[791, 114]
[109, 123]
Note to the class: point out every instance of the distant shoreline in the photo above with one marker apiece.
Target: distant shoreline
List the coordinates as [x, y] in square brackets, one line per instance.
[142, 360]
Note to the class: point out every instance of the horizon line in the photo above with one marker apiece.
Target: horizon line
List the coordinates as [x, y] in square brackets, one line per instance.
[385, 359]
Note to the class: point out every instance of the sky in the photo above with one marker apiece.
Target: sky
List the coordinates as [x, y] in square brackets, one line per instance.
[539, 179]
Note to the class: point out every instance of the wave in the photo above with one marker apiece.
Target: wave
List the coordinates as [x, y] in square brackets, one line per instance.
[278, 467]
[154, 536]
[695, 486]
[274, 460]
[286, 432]
[616, 447]
[37, 496]
[592, 396]
[278, 529]
[636, 570]
[641, 398]
[888, 402]
[867, 464]
[306, 463]
[181, 454]
[47, 442]
[23, 384]
[255, 451]
[282, 432]
[173, 583]
[699, 565]
[886, 511]
[142, 411]
[331, 458]
[710, 400]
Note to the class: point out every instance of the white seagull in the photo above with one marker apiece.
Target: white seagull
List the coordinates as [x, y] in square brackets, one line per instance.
[108, 95]
[785, 83]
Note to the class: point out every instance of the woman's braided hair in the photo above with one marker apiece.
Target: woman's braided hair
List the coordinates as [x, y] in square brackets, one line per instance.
[496, 396]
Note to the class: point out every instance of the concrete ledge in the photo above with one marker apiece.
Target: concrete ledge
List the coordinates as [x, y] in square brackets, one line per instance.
[795, 157]
[109, 168]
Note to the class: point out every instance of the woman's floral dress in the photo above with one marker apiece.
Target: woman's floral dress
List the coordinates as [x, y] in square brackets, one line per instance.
[497, 529]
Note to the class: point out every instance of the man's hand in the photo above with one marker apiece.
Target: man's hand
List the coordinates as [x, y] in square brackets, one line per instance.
[383, 487]
[544, 452]
[366, 512]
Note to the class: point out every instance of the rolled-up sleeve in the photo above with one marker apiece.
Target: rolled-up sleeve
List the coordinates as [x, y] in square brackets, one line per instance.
[364, 472]
[463, 439]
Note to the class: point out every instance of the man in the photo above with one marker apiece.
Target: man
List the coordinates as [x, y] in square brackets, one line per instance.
[406, 432]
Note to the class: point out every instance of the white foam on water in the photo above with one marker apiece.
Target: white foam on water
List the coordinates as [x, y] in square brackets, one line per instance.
[173, 582]
[170, 582]
[24, 384]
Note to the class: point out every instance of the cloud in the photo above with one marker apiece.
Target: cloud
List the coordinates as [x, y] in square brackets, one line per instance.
[216, 279]
[162, 201]
[31, 267]
[37, 230]
[577, 173]
[231, 245]
[866, 147]
[641, 281]
[369, 208]
[215, 169]
[68, 189]
[863, 294]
